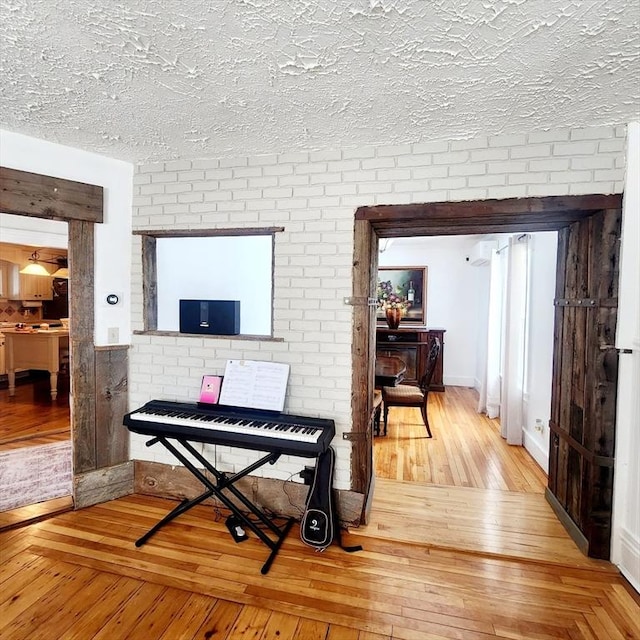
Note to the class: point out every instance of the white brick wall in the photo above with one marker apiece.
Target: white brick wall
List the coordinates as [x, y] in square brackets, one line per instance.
[314, 196]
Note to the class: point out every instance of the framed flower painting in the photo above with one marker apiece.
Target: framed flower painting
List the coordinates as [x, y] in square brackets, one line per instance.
[404, 288]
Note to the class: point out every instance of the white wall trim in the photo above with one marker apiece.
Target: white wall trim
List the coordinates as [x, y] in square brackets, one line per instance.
[630, 556]
[536, 449]
[459, 381]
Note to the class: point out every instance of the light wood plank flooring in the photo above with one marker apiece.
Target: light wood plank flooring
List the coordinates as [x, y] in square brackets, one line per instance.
[31, 418]
[79, 575]
[21, 516]
[466, 449]
[481, 521]
[465, 489]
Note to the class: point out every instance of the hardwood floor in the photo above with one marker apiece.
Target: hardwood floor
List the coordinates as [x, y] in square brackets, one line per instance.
[30, 417]
[465, 489]
[31, 422]
[466, 449]
[484, 559]
[20, 516]
[79, 575]
[488, 522]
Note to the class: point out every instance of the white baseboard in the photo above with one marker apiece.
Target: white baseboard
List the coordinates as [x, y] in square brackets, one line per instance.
[459, 381]
[630, 557]
[536, 448]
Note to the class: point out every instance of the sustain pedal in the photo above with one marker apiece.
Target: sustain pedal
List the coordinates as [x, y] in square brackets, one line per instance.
[236, 529]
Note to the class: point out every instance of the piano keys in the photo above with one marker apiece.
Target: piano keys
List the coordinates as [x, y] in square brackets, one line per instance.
[233, 426]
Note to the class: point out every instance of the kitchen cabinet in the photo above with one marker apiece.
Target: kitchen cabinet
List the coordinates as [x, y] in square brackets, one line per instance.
[411, 345]
[36, 288]
[25, 287]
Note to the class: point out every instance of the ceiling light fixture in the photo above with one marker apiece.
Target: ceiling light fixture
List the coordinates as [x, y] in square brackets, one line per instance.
[63, 268]
[34, 268]
[62, 272]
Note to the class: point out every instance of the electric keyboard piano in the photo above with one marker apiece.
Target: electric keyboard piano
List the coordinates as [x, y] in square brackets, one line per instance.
[233, 426]
[176, 425]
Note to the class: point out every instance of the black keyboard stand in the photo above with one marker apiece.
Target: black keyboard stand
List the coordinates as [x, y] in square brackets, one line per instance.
[257, 521]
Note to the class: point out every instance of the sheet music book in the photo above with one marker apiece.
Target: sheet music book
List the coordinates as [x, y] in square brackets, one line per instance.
[255, 385]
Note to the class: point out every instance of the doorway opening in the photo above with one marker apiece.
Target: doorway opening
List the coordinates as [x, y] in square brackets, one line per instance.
[35, 438]
[468, 448]
[589, 228]
[80, 207]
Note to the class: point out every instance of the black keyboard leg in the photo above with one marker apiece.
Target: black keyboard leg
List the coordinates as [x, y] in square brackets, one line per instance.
[276, 546]
[255, 521]
[185, 505]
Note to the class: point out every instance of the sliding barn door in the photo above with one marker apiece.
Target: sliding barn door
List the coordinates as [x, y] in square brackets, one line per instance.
[583, 399]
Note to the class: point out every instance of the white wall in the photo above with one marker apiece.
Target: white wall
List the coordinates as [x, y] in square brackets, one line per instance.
[112, 238]
[543, 248]
[452, 303]
[483, 282]
[33, 231]
[216, 268]
[314, 195]
[625, 550]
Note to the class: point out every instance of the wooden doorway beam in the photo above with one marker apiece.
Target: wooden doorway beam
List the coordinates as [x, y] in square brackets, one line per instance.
[30, 194]
[453, 218]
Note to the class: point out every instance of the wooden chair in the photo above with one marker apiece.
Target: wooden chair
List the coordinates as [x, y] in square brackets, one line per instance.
[405, 395]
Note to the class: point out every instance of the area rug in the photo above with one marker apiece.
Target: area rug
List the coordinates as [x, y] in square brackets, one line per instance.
[29, 475]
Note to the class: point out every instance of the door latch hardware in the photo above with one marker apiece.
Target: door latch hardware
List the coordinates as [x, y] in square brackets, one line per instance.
[355, 436]
[355, 301]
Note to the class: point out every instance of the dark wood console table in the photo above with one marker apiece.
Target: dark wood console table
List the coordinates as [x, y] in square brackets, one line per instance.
[411, 344]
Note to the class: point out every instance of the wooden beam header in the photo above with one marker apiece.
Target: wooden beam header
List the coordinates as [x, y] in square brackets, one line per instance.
[31, 194]
[484, 216]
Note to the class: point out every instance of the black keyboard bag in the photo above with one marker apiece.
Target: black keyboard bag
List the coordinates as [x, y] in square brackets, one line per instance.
[317, 527]
[320, 524]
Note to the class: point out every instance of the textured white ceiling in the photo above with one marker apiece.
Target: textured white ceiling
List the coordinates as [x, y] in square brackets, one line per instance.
[157, 80]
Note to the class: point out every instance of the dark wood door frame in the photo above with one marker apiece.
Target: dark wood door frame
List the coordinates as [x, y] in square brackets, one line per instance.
[81, 206]
[584, 393]
[441, 218]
